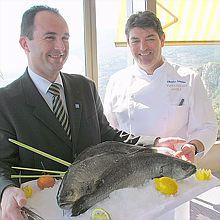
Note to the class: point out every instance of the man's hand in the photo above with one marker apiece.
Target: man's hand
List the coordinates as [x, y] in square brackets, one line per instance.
[188, 151]
[170, 142]
[13, 199]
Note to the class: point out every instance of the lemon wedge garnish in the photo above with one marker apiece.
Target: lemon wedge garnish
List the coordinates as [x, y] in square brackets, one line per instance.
[28, 191]
[100, 214]
[166, 185]
[203, 174]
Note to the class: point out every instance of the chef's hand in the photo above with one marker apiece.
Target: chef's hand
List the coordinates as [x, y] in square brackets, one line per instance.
[13, 199]
[169, 142]
[188, 151]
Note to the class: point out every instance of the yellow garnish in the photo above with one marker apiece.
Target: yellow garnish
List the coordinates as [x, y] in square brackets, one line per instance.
[28, 191]
[100, 214]
[203, 174]
[166, 185]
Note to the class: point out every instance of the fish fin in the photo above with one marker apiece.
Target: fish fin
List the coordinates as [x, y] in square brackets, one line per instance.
[142, 149]
[79, 207]
[158, 176]
[152, 149]
[93, 185]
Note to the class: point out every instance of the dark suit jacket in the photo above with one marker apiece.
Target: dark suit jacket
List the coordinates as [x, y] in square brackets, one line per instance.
[25, 116]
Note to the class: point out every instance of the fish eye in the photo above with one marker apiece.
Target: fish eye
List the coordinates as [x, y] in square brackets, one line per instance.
[69, 193]
[184, 166]
[89, 188]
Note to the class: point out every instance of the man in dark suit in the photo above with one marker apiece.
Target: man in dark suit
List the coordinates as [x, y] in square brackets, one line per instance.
[27, 108]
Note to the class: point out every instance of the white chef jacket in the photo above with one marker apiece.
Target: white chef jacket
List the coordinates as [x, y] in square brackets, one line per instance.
[170, 103]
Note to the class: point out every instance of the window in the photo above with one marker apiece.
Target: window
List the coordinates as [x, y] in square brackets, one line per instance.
[110, 58]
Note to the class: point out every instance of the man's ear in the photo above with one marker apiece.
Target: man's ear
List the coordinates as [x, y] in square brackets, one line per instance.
[162, 40]
[24, 43]
[127, 38]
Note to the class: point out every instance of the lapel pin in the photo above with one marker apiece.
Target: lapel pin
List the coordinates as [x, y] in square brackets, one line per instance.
[77, 105]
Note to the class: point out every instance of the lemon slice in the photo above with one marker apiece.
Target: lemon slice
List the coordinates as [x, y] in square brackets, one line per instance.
[166, 185]
[203, 174]
[100, 214]
[28, 191]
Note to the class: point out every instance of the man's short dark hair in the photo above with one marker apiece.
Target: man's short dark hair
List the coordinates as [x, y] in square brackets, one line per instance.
[27, 23]
[145, 19]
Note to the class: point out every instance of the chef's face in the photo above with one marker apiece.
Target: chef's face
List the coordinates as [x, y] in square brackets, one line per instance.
[146, 46]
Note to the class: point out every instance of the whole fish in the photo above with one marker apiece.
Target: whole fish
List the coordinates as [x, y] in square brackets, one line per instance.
[91, 180]
[88, 167]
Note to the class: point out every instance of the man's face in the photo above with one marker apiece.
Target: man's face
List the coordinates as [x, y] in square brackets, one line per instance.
[145, 46]
[48, 50]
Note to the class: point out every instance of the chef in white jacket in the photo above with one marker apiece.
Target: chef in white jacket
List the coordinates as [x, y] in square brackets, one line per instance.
[155, 98]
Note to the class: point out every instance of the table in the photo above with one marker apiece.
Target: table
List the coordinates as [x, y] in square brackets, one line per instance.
[205, 206]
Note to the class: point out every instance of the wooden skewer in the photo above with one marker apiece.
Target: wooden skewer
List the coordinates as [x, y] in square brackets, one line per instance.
[33, 176]
[40, 152]
[39, 170]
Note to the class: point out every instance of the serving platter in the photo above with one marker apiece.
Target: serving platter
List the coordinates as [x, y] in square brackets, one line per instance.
[140, 203]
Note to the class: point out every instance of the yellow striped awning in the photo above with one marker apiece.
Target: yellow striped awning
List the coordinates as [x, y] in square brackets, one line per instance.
[185, 22]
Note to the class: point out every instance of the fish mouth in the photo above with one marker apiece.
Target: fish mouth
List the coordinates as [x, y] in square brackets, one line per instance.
[192, 171]
[188, 172]
[66, 205]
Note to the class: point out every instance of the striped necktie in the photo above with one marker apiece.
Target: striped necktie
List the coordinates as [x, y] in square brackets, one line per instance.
[58, 108]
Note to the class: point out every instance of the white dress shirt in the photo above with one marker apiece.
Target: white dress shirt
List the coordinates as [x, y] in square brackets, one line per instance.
[171, 102]
[43, 85]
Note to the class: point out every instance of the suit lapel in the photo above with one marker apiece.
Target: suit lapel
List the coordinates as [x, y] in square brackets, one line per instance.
[41, 110]
[74, 104]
